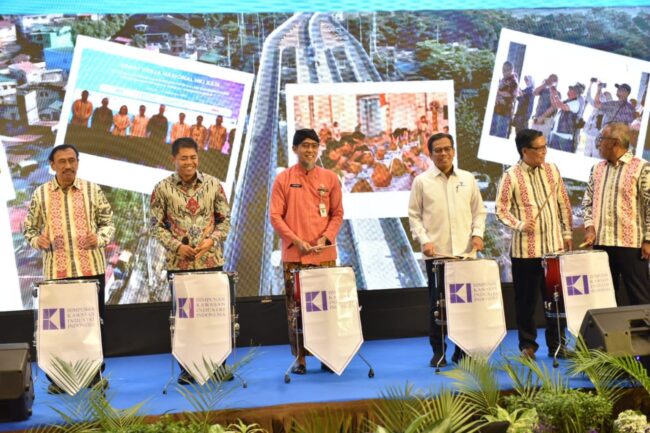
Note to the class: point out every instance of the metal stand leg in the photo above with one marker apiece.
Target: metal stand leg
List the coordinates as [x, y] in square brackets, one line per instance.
[35, 342]
[172, 318]
[443, 323]
[172, 368]
[287, 378]
[556, 299]
[235, 334]
[371, 371]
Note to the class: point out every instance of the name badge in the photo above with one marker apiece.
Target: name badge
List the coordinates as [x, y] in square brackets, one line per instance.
[295, 185]
[322, 210]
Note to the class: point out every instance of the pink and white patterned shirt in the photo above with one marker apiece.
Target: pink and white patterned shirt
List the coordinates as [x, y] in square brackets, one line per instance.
[67, 217]
[617, 202]
[527, 193]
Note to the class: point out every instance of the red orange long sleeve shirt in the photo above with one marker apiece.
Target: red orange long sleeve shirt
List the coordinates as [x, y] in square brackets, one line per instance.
[295, 211]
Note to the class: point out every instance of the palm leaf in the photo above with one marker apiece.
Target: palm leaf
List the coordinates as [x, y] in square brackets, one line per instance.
[605, 377]
[524, 382]
[548, 380]
[477, 380]
[240, 427]
[205, 398]
[73, 376]
[447, 411]
[395, 409]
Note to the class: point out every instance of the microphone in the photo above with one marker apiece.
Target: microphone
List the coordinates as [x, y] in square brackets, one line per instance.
[185, 240]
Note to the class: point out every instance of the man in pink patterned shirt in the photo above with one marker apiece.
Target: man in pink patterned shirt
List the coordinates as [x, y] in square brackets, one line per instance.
[617, 211]
[533, 202]
[70, 222]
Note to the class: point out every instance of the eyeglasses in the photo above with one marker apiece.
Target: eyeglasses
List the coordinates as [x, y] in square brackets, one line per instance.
[539, 148]
[604, 137]
[441, 150]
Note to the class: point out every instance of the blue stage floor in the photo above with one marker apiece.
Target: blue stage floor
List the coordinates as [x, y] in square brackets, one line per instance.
[138, 378]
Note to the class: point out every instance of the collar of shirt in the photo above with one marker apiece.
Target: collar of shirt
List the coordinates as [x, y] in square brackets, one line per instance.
[437, 172]
[55, 183]
[624, 159]
[179, 181]
[304, 172]
[526, 166]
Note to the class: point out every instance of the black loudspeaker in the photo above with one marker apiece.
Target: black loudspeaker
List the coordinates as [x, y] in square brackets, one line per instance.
[619, 331]
[16, 384]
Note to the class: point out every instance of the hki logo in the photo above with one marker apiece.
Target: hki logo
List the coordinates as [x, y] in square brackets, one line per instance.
[185, 308]
[53, 319]
[577, 285]
[460, 293]
[316, 301]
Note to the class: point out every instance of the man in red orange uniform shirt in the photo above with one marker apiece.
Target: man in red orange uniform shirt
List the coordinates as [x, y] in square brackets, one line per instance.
[306, 212]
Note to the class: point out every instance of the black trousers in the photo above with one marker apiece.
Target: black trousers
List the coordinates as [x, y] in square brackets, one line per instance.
[627, 264]
[436, 286]
[528, 282]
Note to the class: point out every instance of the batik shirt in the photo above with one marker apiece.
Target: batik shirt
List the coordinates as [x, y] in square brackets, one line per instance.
[617, 202]
[527, 193]
[67, 217]
[189, 214]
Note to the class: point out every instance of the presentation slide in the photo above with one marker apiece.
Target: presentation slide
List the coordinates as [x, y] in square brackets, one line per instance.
[373, 84]
[577, 75]
[373, 137]
[146, 94]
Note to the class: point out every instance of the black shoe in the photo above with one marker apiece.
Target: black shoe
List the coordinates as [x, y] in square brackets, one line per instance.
[563, 353]
[438, 361]
[185, 378]
[528, 352]
[324, 367]
[299, 369]
[54, 389]
[457, 356]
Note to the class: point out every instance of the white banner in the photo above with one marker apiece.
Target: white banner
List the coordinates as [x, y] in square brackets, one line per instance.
[330, 315]
[475, 315]
[202, 335]
[586, 284]
[68, 327]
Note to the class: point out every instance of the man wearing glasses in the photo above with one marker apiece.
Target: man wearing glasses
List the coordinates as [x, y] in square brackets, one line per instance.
[533, 202]
[617, 211]
[447, 217]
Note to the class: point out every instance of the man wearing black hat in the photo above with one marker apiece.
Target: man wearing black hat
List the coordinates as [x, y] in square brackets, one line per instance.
[616, 111]
[306, 212]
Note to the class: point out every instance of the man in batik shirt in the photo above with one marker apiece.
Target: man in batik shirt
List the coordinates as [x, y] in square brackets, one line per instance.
[190, 217]
[70, 221]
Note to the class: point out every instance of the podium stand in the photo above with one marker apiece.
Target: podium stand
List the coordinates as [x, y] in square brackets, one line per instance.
[327, 315]
[203, 322]
[474, 305]
[68, 328]
[576, 281]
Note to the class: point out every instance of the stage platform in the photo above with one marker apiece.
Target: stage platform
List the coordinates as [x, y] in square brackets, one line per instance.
[138, 378]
